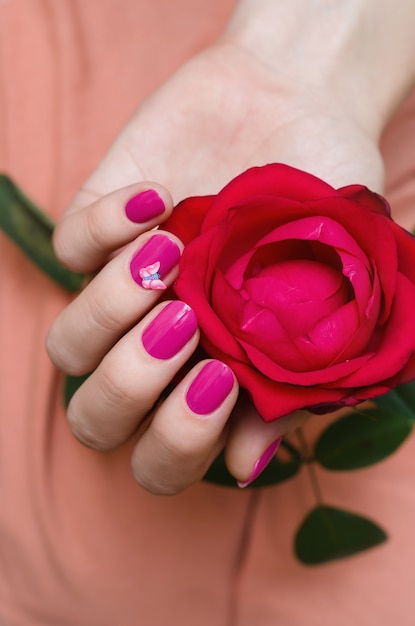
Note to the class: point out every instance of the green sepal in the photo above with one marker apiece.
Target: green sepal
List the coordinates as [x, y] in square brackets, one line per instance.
[31, 230]
[360, 439]
[329, 533]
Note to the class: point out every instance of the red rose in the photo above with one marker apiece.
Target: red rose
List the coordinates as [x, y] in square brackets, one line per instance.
[306, 291]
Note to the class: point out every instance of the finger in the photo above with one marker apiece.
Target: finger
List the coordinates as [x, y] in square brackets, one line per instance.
[252, 443]
[185, 434]
[112, 402]
[123, 291]
[85, 237]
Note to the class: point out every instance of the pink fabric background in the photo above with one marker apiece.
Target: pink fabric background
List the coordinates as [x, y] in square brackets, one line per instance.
[80, 543]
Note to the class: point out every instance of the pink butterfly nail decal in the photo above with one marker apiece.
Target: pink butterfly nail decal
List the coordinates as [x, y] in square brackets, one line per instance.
[150, 276]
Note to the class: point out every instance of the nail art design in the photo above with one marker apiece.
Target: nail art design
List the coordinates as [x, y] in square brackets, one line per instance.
[154, 261]
[150, 277]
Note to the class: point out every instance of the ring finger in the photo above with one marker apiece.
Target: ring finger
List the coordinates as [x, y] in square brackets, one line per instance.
[111, 403]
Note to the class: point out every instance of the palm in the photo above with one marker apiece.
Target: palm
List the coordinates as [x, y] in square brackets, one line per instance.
[223, 112]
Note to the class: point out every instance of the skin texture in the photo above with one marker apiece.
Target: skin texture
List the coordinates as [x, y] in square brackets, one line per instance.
[228, 105]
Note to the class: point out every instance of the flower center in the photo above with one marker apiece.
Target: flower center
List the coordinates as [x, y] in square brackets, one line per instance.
[299, 292]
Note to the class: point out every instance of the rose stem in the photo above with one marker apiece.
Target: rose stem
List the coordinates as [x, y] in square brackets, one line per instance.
[309, 461]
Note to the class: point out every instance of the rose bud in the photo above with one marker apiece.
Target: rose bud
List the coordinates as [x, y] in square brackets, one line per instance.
[305, 291]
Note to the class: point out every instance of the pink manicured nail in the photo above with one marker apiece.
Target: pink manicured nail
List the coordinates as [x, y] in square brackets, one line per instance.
[144, 206]
[262, 462]
[170, 331]
[154, 261]
[210, 388]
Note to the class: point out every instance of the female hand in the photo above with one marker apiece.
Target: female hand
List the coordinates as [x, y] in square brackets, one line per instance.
[219, 114]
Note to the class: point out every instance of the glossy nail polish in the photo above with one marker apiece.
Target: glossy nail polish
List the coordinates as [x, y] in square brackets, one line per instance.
[262, 462]
[170, 331]
[210, 388]
[153, 262]
[144, 207]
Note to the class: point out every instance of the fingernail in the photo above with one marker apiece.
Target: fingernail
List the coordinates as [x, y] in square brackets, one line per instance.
[210, 388]
[144, 206]
[154, 261]
[262, 462]
[170, 331]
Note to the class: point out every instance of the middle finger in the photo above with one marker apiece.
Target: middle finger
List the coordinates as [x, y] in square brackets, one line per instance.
[123, 291]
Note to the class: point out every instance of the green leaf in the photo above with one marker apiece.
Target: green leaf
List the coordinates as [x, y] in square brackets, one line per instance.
[32, 230]
[400, 400]
[72, 384]
[276, 471]
[329, 533]
[361, 439]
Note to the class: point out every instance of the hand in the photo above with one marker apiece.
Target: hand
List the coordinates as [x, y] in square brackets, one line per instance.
[221, 113]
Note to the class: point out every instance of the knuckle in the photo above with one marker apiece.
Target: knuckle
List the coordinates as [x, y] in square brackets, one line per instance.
[176, 466]
[114, 388]
[155, 487]
[62, 356]
[122, 391]
[177, 451]
[62, 244]
[77, 236]
[156, 482]
[83, 433]
[95, 232]
[100, 314]
[51, 346]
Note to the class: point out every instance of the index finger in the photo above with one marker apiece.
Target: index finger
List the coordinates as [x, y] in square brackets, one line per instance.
[85, 237]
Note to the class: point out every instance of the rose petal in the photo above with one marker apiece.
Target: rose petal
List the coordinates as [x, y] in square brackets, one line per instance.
[356, 266]
[360, 222]
[338, 337]
[266, 333]
[243, 317]
[273, 400]
[252, 262]
[193, 285]
[404, 376]
[322, 229]
[252, 323]
[406, 251]
[276, 180]
[300, 293]
[407, 375]
[397, 340]
[187, 217]
[239, 233]
[366, 198]
[276, 372]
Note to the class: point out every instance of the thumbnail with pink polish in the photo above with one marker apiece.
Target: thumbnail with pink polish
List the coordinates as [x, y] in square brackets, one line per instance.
[170, 331]
[144, 207]
[262, 462]
[210, 388]
[153, 262]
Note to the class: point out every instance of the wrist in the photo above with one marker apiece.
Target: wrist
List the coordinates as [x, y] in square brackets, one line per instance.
[362, 52]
